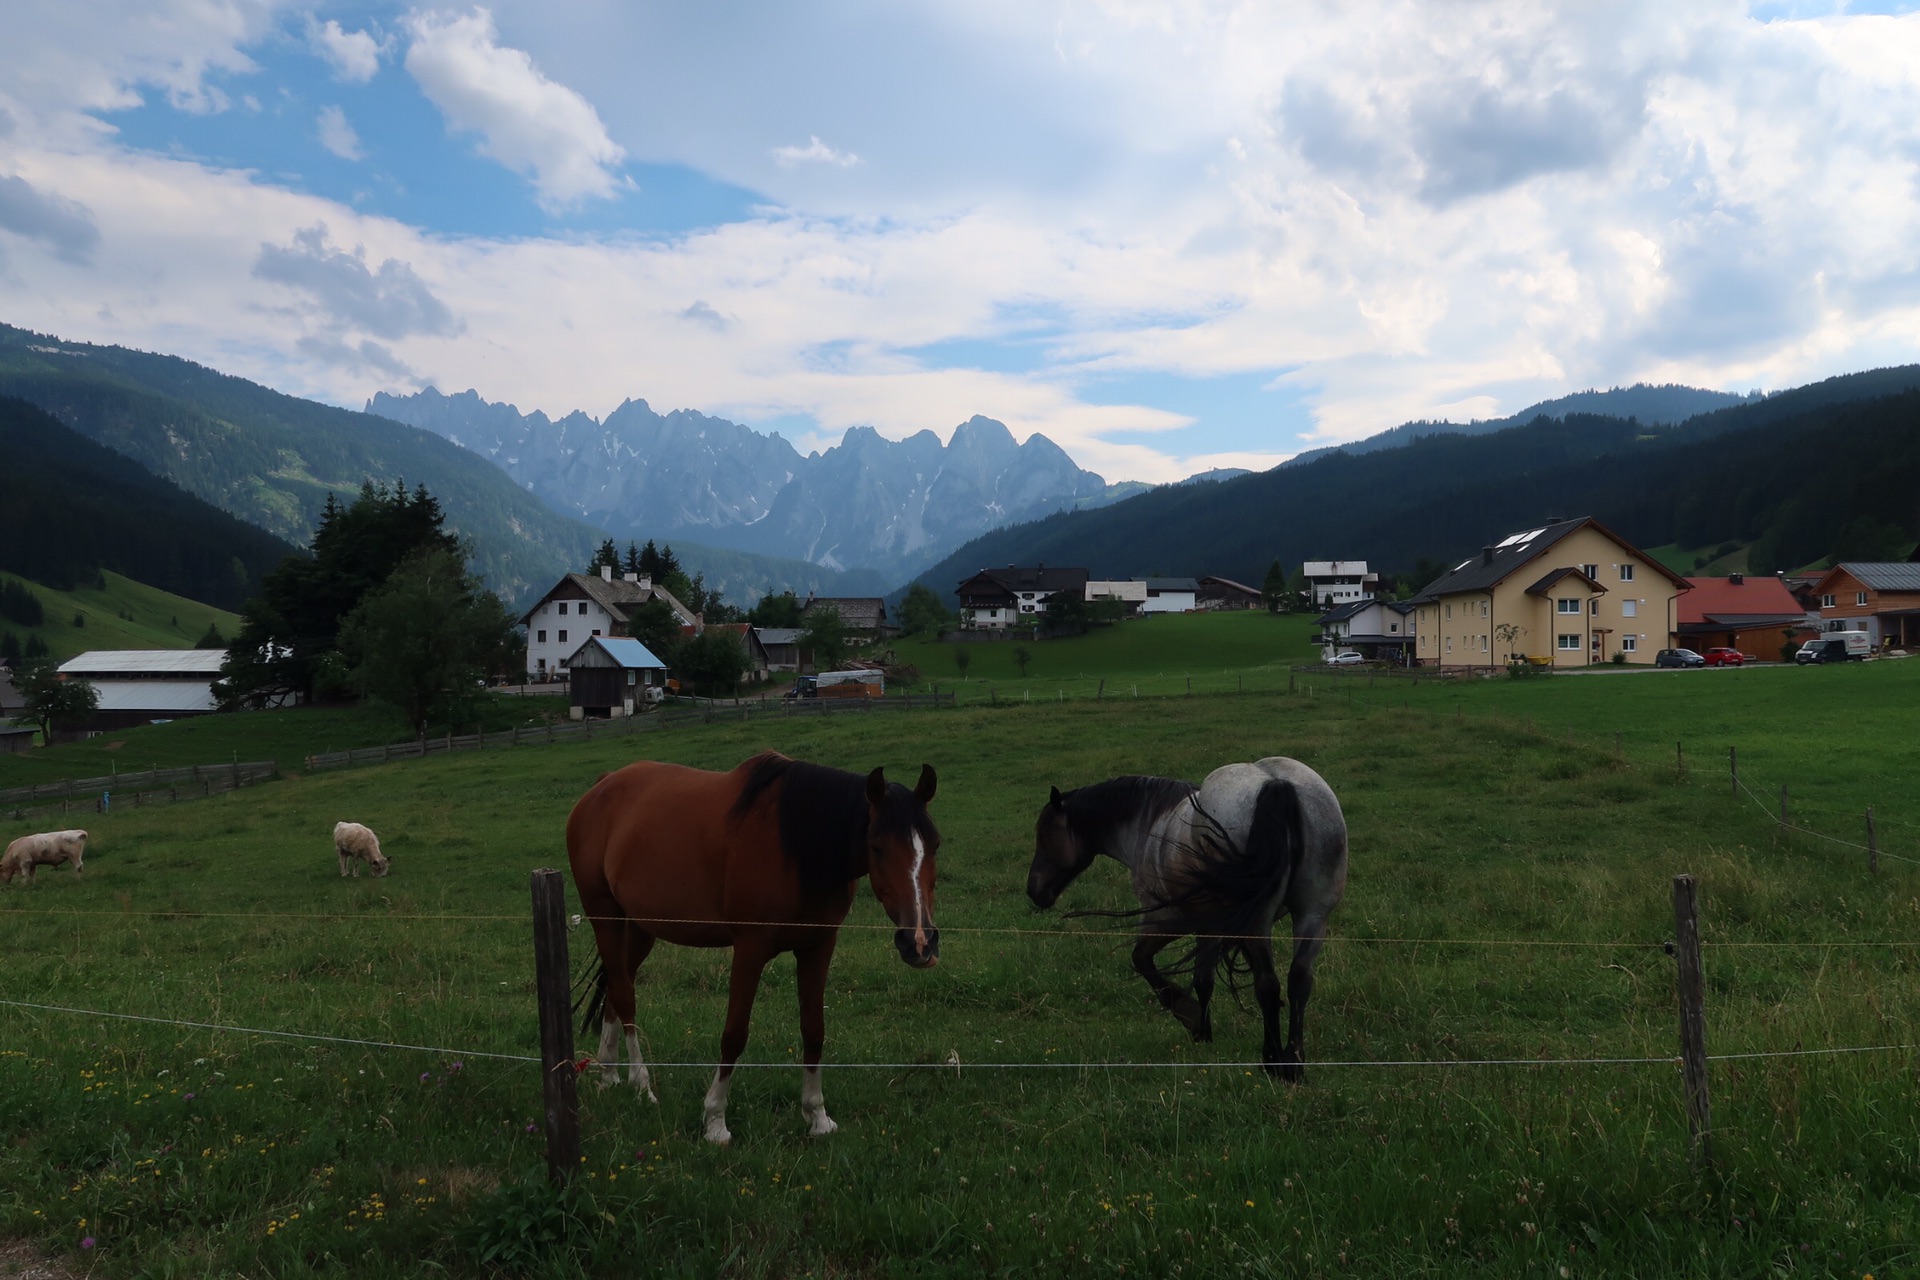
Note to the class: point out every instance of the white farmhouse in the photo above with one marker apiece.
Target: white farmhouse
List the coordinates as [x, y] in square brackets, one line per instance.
[1331, 582]
[581, 606]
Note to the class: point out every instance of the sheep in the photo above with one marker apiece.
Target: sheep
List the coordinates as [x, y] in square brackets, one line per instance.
[353, 841]
[48, 849]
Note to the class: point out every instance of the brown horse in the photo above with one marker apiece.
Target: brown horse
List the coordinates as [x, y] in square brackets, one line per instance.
[763, 859]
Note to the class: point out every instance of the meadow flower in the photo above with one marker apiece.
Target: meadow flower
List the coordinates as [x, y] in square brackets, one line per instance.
[87, 1243]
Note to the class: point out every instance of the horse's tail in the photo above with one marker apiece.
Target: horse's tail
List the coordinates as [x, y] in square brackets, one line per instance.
[590, 996]
[1230, 891]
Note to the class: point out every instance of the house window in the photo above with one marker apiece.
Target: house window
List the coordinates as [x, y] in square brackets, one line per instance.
[1629, 608]
[1826, 602]
[1483, 607]
[1591, 570]
[1629, 644]
[540, 637]
[1570, 642]
[1859, 597]
[563, 638]
[1626, 573]
[563, 608]
[1449, 644]
[1393, 628]
[1449, 611]
[1483, 644]
[596, 631]
[1593, 606]
[1569, 606]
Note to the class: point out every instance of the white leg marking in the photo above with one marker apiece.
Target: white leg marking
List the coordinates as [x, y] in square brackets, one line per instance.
[813, 1106]
[606, 1060]
[715, 1110]
[637, 1067]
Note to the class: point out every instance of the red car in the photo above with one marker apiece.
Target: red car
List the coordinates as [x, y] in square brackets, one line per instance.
[1725, 658]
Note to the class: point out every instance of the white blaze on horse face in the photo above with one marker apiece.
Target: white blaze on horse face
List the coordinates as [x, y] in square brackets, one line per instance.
[919, 899]
[813, 1104]
[715, 1109]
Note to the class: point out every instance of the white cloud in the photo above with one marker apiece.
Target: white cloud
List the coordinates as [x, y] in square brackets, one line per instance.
[1397, 211]
[354, 55]
[527, 122]
[815, 152]
[338, 136]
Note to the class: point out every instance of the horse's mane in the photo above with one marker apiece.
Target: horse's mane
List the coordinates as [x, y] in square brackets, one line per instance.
[1096, 812]
[822, 816]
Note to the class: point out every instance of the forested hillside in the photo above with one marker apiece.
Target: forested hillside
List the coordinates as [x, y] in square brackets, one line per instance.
[273, 459]
[70, 508]
[1825, 470]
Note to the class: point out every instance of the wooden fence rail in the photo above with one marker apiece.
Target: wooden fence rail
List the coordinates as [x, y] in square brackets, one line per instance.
[192, 776]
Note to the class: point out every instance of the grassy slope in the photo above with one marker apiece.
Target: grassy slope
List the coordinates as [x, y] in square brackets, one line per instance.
[1465, 827]
[160, 620]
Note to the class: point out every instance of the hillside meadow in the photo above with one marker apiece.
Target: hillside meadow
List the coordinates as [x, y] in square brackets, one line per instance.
[119, 614]
[1025, 1108]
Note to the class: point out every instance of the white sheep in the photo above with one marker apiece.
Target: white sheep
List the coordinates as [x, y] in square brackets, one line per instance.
[48, 849]
[353, 841]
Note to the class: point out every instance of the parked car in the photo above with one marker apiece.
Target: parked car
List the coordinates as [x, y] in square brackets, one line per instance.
[1346, 658]
[1678, 658]
[1827, 649]
[1724, 657]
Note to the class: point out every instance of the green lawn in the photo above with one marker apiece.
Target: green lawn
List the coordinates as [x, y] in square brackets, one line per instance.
[158, 620]
[1509, 899]
[1143, 657]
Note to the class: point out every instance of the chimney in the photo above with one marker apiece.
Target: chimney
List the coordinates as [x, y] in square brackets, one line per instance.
[606, 573]
[1486, 555]
[630, 577]
[1736, 578]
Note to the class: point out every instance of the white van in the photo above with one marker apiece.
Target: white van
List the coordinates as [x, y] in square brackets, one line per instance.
[1854, 647]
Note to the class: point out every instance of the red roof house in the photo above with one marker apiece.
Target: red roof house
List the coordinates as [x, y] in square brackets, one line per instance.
[1753, 614]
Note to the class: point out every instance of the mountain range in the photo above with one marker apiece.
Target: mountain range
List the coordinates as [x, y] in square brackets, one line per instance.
[1829, 469]
[892, 506]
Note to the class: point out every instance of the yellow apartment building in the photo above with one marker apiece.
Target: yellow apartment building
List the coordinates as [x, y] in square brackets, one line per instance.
[1570, 593]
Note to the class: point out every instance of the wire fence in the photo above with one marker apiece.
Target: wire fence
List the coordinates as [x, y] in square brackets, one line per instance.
[141, 790]
[955, 1063]
[590, 730]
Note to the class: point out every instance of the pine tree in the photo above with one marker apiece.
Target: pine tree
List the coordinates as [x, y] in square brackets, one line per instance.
[608, 555]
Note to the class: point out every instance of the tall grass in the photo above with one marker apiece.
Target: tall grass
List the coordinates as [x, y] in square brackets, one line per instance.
[1024, 1109]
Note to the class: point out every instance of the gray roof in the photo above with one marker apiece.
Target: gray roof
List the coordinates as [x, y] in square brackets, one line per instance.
[620, 598]
[1877, 575]
[164, 663]
[860, 612]
[1495, 563]
[1171, 584]
[778, 635]
[1341, 612]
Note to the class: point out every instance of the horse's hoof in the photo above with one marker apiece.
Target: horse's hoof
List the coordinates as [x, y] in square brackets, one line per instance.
[1186, 1009]
[822, 1126]
[1203, 1035]
[717, 1134]
[1289, 1069]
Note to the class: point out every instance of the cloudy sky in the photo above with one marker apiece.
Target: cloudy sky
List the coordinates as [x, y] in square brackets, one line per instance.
[1171, 234]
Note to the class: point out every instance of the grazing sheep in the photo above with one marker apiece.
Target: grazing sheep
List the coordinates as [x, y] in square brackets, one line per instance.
[351, 841]
[48, 849]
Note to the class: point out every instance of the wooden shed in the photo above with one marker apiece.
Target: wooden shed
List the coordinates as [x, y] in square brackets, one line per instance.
[612, 676]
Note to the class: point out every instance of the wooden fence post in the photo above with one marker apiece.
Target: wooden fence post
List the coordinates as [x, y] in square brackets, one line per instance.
[551, 979]
[1873, 845]
[1679, 758]
[1100, 694]
[1693, 1016]
[1289, 682]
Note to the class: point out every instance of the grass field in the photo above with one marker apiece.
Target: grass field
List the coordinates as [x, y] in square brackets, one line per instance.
[159, 620]
[1509, 900]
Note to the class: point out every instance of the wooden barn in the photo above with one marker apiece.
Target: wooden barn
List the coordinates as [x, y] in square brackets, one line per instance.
[612, 676]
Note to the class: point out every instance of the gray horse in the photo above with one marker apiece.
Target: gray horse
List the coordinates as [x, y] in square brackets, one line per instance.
[1219, 862]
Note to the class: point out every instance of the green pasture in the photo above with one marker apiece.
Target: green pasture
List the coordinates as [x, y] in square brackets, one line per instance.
[1025, 1108]
[1145, 656]
[286, 737]
[122, 614]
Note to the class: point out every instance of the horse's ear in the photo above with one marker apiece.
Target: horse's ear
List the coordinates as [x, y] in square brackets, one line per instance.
[877, 787]
[1056, 801]
[923, 790]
